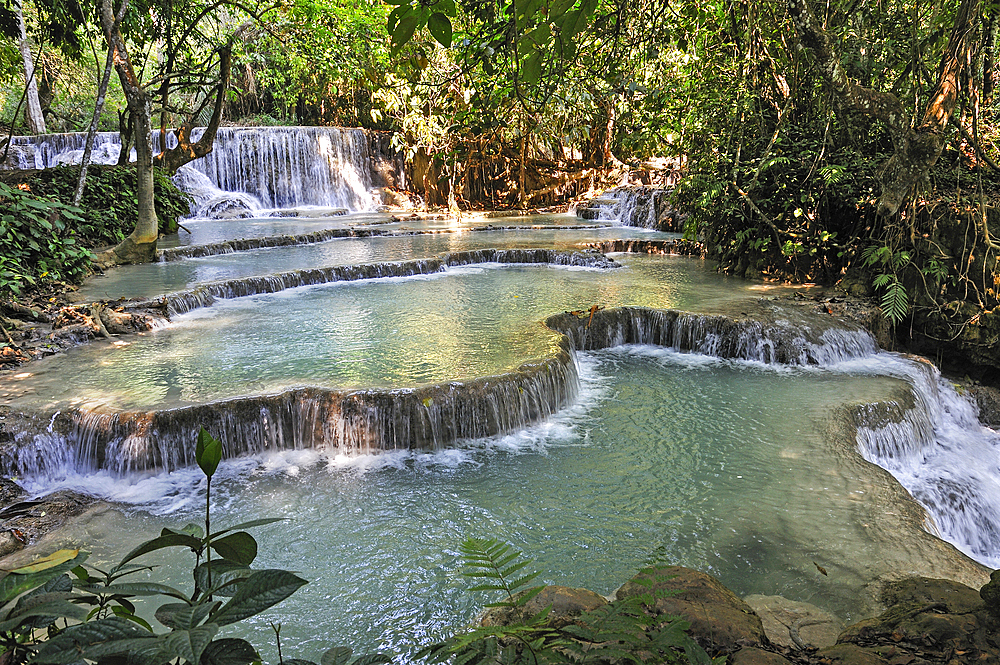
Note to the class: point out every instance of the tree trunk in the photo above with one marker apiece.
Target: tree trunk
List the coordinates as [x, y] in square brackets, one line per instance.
[916, 149]
[36, 120]
[140, 246]
[102, 91]
[186, 150]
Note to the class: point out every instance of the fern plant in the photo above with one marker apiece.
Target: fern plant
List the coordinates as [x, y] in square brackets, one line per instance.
[895, 301]
[625, 631]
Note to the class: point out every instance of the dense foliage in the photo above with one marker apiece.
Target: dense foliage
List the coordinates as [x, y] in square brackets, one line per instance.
[42, 240]
[501, 103]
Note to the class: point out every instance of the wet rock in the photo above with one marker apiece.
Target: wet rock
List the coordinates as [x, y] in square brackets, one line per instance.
[990, 594]
[40, 517]
[929, 620]
[755, 656]
[10, 492]
[720, 621]
[792, 623]
[956, 598]
[850, 654]
[988, 400]
[11, 540]
[567, 604]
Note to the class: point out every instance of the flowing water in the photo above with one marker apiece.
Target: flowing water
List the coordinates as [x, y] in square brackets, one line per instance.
[419, 381]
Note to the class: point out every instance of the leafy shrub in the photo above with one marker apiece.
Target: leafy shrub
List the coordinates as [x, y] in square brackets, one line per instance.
[109, 205]
[624, 631]
[37, 241]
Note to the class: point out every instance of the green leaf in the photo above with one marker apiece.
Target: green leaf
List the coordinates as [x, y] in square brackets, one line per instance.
[168, 540]
[393, 19]
[404, 31]
[103, 637]
[440, 28]
[336, 656]
[129, 614]
[14, 584]
[229, 651]
[208, 452]
[53, 609]
[135, 589]
[181, 616]
[372, 659]
[224, 575]
[256, 593]
[188, 644]
[239, 547]
[532, 70]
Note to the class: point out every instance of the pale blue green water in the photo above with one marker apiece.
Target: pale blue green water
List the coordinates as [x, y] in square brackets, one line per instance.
[715, 465]
[723, 466]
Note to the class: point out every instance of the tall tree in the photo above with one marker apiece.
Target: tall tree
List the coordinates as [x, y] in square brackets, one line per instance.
[916, 148]
[33, 110]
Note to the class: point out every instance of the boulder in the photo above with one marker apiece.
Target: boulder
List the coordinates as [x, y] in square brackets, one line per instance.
[988, 400]
[566, 603]
[755, 656]
[929, 620]
[850, 654]
[720, 621]
[791, 623]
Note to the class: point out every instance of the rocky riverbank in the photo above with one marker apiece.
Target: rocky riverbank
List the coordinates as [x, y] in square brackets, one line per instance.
[923, 621]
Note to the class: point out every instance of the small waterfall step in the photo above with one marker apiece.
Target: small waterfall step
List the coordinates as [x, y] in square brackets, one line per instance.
[644, 207]
[206, 294]
[366, 421]
[641, 246]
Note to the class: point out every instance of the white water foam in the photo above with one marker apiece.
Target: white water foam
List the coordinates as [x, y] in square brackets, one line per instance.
[182, 491]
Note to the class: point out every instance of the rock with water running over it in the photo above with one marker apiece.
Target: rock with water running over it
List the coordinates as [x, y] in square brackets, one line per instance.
[720, 621]
[27, 521]
[988, 400]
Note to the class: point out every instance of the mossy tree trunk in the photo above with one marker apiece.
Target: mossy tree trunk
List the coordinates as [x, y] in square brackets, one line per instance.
[916, 149]
[140, 245]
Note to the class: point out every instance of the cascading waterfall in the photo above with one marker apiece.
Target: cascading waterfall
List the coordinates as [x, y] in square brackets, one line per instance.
[349, 422]
[643, 207]
[288, 167]
[364, 421]
[935, 446]
[251, 169]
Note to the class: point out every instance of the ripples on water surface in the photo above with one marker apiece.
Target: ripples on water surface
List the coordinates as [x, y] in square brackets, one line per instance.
[722, 466]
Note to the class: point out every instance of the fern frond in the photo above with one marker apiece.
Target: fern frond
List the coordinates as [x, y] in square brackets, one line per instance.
[883, 280]
[895, 302]
[491, 559]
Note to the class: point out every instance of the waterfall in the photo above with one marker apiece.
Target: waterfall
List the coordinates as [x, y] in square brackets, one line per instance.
[349, 422]
[755, 339]
[251, 169]
[932, 442]
[288, 167]
[206, 294]
[643, 207]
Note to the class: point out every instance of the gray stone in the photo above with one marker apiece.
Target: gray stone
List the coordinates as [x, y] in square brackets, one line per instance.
[784, 620]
